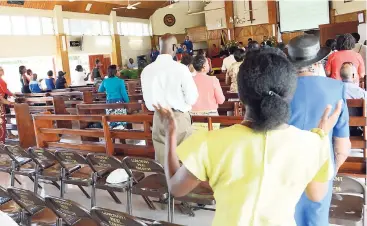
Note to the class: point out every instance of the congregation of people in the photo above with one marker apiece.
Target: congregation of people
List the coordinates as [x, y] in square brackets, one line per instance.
[296, 91]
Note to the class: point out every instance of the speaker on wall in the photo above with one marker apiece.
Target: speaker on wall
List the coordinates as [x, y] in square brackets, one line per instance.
[15, 2]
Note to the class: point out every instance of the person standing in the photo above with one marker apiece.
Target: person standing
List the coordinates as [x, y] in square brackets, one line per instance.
[4, 92]
[97, 75]
[50, 81]
[258, 168]
[231, 75]
[24, 80]
[210, 93]
[169, 83]
[154, 54]
[79, 78]
[312, 95]
[228, 61]
[189, 45]
[345, 44]
[115, 89]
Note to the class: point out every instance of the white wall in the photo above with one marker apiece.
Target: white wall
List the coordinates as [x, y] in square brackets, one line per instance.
[92, 45]
[180, 11]
[348, 7]
[260, 12]
[215, 16]
[131, 47]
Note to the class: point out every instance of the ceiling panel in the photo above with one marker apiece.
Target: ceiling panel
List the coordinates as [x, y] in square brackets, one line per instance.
[144, 10]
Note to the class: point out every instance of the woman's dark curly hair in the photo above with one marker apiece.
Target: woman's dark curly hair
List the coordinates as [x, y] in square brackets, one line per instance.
[187, 59]
[266, 84]
[345, 42]
[331, 43]
[112, 70]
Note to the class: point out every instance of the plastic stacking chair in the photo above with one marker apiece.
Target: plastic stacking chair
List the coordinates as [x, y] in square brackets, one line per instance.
[348, 202]
[69, 212]
[102, 165]
[34, 210]
[21, 164]
[152, 185]
[8, 206]
[108, 217]
[5, 162]
[75, 171]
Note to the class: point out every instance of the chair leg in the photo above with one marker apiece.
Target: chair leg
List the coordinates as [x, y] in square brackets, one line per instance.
[35, 184]
[172, 209]
[149, 202]
[54, 183]
[62, 189]
[59, 222]
[113, 195]
[31, 178]
[93, 197]
[17, 180]
[12, 174]
[84, 191]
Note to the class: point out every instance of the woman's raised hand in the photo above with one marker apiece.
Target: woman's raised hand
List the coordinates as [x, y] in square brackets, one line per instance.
[327, 122]
[167, 117]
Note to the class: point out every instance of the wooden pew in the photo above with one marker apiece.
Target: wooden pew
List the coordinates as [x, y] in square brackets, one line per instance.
[356, 166]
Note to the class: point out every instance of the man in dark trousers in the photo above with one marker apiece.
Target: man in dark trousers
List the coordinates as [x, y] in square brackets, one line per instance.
[312, 95]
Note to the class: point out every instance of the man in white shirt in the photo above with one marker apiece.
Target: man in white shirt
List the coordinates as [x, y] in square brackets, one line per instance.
[170, 84]
[131, 64]
[360, 48]
[228, 61]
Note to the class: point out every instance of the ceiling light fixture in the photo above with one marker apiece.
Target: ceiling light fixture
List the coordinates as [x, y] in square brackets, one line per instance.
[89, 5]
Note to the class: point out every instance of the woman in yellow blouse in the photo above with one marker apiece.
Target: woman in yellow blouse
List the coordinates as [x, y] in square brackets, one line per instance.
[258, 169]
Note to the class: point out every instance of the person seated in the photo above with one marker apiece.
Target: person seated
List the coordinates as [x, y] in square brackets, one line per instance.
[61, 81]
[210, 91]
[214, 51]
[116, 93]
[34, 85]
[231, 75]
[79, 78]
[131, 64]
[50, 81]
[223, 53]
[179, 49]
[185, 50]
[228, 61]
[258, 162]
[188, 60]
[352, 91]
[29, 75]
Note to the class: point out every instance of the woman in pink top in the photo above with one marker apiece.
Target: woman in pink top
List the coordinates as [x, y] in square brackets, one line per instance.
[210, 92]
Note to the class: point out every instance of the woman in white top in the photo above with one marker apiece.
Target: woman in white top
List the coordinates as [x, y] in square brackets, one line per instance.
[79, 78]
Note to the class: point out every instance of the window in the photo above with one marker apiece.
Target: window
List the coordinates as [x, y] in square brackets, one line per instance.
[18, 25]
[66, 26]
[105, 28]
[47, 26]
[5, 26]
[33, 25]
[133, 29]
[76, 27]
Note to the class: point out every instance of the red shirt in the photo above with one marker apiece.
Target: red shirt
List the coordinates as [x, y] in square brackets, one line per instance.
[335, 61]
[4, 88]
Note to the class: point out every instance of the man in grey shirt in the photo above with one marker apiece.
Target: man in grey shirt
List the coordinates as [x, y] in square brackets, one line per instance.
[352, 90]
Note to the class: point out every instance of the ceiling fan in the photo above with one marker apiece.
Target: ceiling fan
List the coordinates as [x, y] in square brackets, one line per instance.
[132, 6]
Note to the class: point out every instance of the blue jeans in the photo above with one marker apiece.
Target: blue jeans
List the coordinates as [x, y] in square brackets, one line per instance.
[309, 213]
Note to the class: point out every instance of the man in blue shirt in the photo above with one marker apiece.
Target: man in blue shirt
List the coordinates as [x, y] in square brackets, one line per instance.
[189, 45]
[154, 54]
[312, 95]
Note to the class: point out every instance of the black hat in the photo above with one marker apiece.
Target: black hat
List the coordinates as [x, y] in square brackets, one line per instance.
[61, 73]
[305, 50]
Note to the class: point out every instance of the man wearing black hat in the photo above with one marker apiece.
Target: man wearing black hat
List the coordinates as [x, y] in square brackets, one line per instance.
[313, 94]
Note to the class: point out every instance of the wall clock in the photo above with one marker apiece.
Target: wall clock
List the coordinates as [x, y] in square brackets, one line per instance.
[169, 20]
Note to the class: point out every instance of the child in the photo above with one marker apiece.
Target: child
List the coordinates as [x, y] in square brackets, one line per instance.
[33, 85]
[60, 81]
[50, 81]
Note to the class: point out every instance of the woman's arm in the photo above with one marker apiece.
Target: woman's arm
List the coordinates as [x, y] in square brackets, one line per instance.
[101, 88]
[124, 94]
[5, 101]
[179, 179]
[100, 72]
[218, 92]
